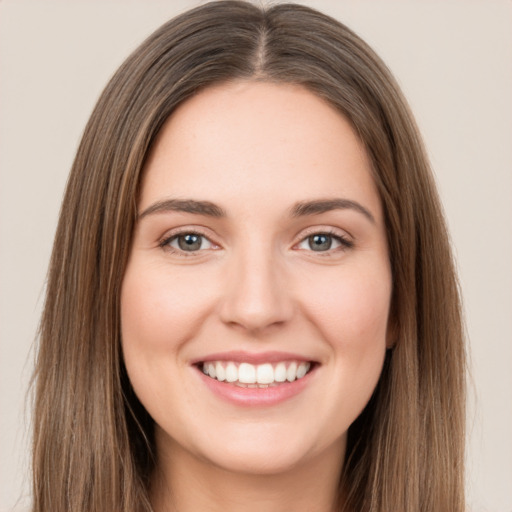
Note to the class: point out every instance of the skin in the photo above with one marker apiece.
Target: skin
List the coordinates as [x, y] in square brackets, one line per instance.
[255, 285]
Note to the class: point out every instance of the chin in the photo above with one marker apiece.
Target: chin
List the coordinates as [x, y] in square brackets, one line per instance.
[253, 461]
[261, 450]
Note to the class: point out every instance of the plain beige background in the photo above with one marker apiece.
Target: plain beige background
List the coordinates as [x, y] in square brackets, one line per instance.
[453, 59]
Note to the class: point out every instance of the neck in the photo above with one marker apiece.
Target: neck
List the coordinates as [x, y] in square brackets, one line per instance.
[185, 483]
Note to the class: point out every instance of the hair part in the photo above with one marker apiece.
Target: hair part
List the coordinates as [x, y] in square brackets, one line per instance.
[93, 446]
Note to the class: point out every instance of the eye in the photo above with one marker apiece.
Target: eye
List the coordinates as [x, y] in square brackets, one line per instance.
[323, 242]
[187, 242]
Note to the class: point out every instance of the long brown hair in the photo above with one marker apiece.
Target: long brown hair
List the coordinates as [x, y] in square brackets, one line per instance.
[93, 441]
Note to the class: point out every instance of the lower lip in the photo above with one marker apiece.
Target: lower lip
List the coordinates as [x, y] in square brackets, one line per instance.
[256, 396]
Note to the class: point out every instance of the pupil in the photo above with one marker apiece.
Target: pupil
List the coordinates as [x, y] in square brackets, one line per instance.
[320, 242]
[189, 242]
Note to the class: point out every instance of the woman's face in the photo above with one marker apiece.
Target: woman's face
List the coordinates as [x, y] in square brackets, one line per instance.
[255, 303]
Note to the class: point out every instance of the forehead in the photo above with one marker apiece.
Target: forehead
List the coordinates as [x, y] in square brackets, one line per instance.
[258, 140]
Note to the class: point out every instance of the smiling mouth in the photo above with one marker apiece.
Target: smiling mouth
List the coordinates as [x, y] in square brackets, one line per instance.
[249, 375]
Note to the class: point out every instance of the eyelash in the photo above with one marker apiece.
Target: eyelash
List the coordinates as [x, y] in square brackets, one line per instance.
[165, 243]
[344, 242]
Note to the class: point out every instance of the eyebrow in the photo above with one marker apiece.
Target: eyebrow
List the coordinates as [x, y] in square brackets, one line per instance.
[300, 209]
[318, 206]
[185, 205]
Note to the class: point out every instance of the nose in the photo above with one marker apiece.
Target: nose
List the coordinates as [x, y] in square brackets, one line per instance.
[257, 295]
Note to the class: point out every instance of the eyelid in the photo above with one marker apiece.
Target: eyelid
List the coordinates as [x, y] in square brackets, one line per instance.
[345, 239]
[173, 234]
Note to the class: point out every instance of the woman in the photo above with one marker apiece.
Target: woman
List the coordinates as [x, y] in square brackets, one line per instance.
[251, 302]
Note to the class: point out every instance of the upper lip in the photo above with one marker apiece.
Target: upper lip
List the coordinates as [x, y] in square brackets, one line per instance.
[239, 356]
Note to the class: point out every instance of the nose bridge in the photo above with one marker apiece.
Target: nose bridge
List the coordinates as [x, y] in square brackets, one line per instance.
[256, 295]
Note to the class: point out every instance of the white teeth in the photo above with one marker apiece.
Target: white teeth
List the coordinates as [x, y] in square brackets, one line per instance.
[253, 376]
[247, 373]
[264, 374]
[280, 373]
[231, 372]
[291, 372]
[301, 370]
[221, 373]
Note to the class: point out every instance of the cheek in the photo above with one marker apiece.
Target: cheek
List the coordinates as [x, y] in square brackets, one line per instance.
[352, 316]
[160, 309]
[160, 312]
[351, 307]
